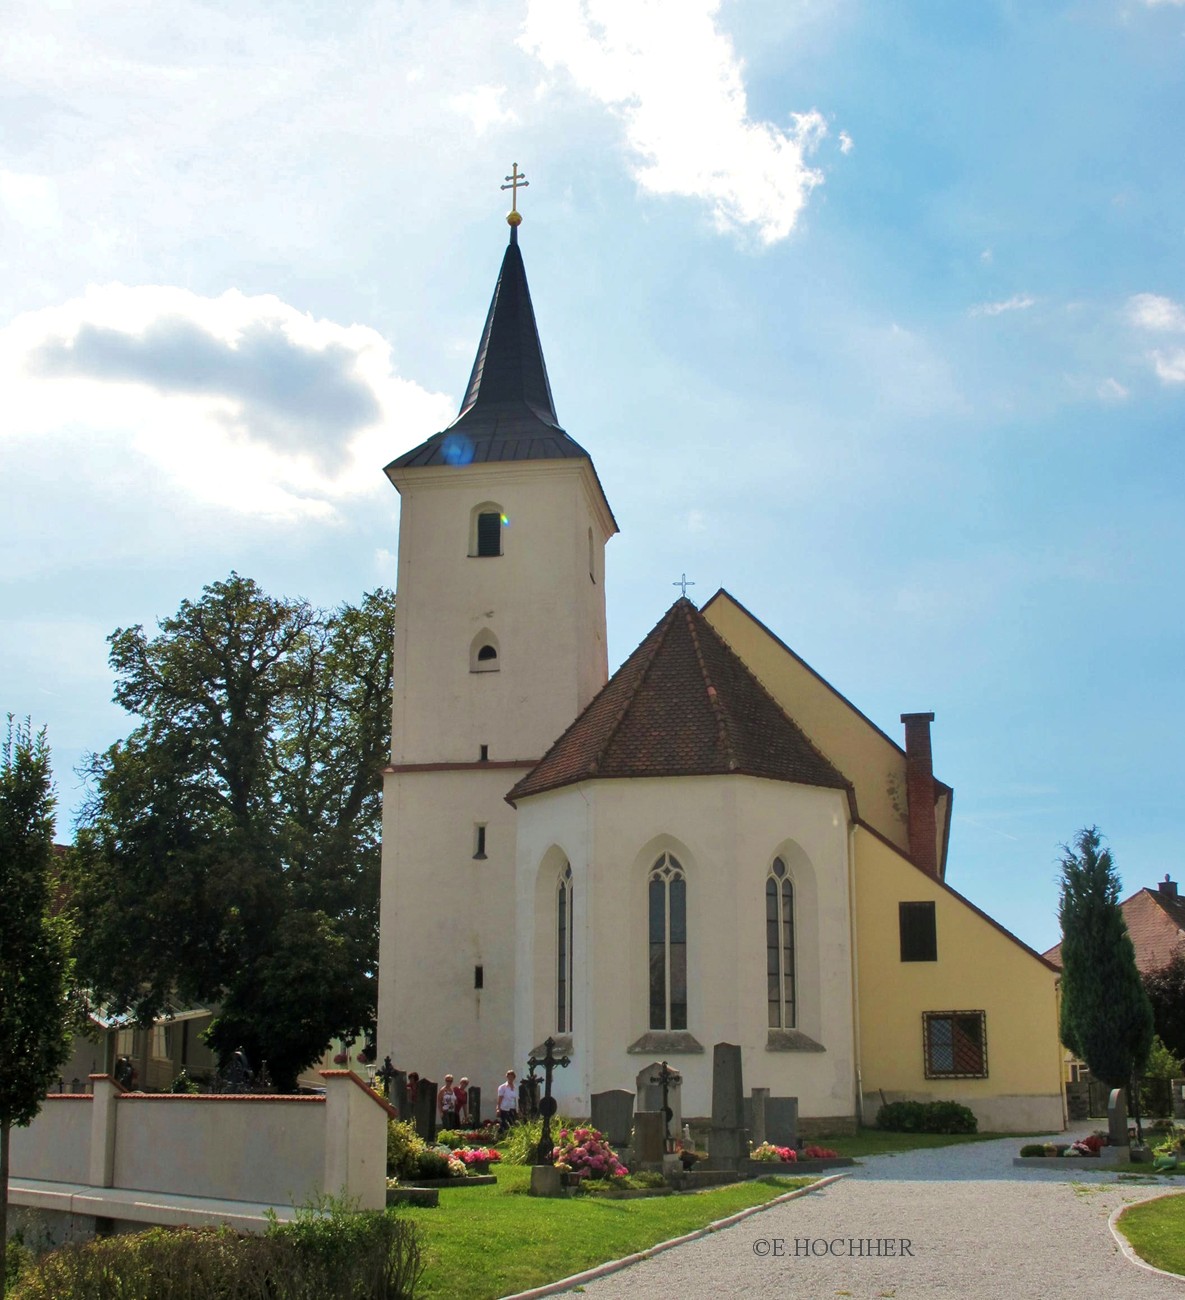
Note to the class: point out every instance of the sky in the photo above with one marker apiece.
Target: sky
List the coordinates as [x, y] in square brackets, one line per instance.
[873, 315]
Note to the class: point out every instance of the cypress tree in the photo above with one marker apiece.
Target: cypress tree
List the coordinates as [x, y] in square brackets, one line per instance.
[1106, 1018]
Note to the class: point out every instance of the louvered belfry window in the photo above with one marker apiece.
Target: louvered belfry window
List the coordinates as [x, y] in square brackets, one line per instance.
[489, 533]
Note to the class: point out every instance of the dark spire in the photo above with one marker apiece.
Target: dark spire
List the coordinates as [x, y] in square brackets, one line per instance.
[508, 412]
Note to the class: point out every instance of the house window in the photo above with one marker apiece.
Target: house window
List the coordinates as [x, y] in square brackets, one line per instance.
[779, 946]
[919, 934]
[955, 1044]
[668, 945]
[564, 929]
[489, 533]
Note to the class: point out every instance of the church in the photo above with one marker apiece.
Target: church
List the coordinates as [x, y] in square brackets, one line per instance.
[712, 845]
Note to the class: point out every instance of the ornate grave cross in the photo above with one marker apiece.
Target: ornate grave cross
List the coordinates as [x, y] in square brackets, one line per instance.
[547, 1106]
[666, 1078]
[387, 1073]
[682, 583]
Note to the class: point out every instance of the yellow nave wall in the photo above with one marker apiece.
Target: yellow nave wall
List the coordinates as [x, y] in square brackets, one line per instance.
[979, 968]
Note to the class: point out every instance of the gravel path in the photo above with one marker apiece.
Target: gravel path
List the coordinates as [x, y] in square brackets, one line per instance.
[975, 1227]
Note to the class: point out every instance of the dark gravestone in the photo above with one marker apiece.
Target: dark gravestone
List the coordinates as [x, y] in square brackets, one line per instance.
[474, 1105]
[781, 1121]
[425, 1110]
[755, 1115]
[729, 1140]
[613, 1115]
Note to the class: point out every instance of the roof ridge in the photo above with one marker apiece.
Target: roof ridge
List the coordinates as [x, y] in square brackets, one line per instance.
[723, 727]
[663, 630]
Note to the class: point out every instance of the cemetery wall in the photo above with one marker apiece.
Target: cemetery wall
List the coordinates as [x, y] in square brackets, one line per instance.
[57, 1143]
[110, 1148]
[979, 967]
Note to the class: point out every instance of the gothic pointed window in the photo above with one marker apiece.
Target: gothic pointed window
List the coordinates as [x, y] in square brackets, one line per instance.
[779, 946]
[564, 930]
[668, 944]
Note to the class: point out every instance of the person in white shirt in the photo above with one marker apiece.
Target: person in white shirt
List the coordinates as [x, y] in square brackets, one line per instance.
[507, 1102]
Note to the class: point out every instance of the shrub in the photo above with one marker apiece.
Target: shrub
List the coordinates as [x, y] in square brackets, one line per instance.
[521, 1143]
[326, 1253]
[1032, 1149]
[17, 1260]
[819, 1153]
[404, 1148]
[432, 1164]
[926, 1117]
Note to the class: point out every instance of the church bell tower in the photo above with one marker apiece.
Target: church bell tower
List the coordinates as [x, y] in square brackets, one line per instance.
[499, 644]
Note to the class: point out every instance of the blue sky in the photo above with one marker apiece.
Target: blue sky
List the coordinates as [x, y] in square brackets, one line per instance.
[873, 315]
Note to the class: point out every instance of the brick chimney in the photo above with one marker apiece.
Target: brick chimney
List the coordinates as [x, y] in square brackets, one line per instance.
[919, 786]
[1167, 886]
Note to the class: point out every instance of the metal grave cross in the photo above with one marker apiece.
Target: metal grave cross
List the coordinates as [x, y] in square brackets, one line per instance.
[547, 1106]
[387, 1073]
[666, 1078]
[683, 583]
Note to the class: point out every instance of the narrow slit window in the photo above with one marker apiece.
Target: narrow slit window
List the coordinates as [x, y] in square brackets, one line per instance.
[479, 977]
[565, 906]
[668, 945]
[479, 840]
[483, 754]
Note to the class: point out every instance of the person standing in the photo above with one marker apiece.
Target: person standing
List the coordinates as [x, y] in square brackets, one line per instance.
[507, 1102]
[463, 1101]
[446, 1099]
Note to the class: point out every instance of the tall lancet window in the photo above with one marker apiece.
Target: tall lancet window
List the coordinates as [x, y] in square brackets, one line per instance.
[565, 908]
[779, 946]
[668, 945]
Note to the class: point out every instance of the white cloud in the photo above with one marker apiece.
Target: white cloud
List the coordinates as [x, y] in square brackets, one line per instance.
[484, 107]
[1111, 390]
[846, 144]
[675, 80]
[1150, 311]
[1019, 302]
[243, 402]
[1159, 315]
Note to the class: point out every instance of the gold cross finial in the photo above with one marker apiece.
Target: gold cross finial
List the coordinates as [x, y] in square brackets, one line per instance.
[515, 181]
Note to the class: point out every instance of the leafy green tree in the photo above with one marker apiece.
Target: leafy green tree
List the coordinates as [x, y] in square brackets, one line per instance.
[34, 948]
[229, 854]
[1106, 1019]
[1166, 992]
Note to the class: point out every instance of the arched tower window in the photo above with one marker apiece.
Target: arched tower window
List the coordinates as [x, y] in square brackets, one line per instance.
[779, 946]
[564, 930]
[486, 523]
[668, 944]
[483, 653]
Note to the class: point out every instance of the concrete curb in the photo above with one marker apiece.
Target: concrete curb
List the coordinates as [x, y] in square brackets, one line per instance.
[1126, 1246]
[614, 1266]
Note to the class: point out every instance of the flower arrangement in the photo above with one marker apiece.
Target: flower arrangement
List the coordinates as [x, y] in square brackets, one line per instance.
[478, 1155]
[585, 1151]
[819, 1153]
[457, 1168]
[1087, 1146]
[767, 1153]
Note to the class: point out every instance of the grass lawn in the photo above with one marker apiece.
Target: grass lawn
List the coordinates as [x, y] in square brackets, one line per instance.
[877, 1142]
[1156, 1231]
[483, 1242]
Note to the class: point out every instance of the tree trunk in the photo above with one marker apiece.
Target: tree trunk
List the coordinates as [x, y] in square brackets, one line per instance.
[5, 1129]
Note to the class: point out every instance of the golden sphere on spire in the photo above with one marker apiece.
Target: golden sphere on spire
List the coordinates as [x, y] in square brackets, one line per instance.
[514, 218]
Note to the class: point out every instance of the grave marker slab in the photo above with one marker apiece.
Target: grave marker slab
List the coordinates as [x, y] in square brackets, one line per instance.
[613, 1115]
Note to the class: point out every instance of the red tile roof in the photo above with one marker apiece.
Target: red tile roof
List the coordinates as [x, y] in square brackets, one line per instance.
[683, 704]
[1156, 922]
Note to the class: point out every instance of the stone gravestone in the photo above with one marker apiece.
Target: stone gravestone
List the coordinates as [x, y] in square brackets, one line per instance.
[648, 1140]
[425, 1110]
[613, 1115]
[1117, 1119]
[781, 1121]
[755, 1115]
[1178, 1086]
[729, 1141]
[474, 1105]
[650, 1096]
